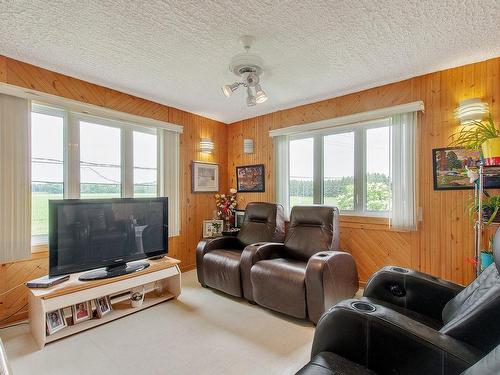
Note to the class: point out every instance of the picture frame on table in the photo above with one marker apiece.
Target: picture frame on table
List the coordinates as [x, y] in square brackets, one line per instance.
[251, 178]
[212, 228]
[103, 306]
[55, 321]
[205, 177]
[81, 311]
[449, 167]
[239, 215]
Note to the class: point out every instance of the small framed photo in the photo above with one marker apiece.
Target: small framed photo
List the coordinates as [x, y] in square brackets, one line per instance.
[205, 177]
[81, 311]
[55, 321]
[212, 228]
[239, 215]
[250, 178]
[103, 306]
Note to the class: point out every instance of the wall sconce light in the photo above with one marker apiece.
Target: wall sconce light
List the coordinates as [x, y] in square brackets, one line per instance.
[206, 145]
[471, 110]
[248, 146]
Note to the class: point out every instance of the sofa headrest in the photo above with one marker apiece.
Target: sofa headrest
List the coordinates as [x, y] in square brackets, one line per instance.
[263, 222]
[312, 216]
[312, 229]
[260, 212]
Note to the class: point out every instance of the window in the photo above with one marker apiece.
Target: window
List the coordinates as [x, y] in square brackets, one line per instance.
[100, 161]
[145, 164]
[301, 171]
[347, 167]
[338, 170]
[378, 162]
[47, 169]
[79, 156]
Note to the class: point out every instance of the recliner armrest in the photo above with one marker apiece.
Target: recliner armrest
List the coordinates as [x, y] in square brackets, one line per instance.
[208, 244]
[331, 276]
[388, 342]
[251, 255]
[417, 291]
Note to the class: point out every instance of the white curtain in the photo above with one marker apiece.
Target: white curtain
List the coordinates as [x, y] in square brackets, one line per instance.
[15, 179]
[168, 176]
[404, 210]
[282, 167]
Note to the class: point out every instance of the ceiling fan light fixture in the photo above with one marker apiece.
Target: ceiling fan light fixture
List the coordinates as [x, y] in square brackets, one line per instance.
[260, 95]
[250, 98]
[249, 67]
[228, 90]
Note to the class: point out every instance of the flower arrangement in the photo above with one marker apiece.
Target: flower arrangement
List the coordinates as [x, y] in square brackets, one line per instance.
[226, 204]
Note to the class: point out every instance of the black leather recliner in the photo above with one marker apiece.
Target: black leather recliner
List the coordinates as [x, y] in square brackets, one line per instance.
[218, 260]
[462, 313]
[413, 323]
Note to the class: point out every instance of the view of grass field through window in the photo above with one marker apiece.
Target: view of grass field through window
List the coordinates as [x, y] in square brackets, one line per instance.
[339, 170]
[100, 165]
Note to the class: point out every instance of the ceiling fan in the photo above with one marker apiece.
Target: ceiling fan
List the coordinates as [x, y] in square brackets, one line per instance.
[249, 67]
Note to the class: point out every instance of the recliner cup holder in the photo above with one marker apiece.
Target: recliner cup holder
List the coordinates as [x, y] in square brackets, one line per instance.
[363, 306]
[399, 269]
[321, 255]
[259, 244]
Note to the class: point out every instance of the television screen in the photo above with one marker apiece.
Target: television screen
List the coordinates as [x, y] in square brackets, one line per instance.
[86, 234]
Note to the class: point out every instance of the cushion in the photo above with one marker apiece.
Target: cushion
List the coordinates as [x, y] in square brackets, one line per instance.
[279, 284]
[327, 363]
[221, 269]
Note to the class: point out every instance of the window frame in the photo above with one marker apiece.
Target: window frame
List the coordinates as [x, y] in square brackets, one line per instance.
[71, 154]
[360, 163]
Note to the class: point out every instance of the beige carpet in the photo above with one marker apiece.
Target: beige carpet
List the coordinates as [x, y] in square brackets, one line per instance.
[202, 332]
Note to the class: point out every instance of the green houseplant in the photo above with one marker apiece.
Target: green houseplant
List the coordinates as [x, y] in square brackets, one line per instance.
[491, 206]
[480, 135]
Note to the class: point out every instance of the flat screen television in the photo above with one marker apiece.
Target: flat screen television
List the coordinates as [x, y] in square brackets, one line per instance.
[104, 234]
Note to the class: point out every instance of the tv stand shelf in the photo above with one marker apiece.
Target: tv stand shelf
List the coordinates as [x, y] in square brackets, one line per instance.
[164, 272]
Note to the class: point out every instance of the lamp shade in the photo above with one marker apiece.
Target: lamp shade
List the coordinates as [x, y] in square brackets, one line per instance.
[260, 95]
[471, 110]
[228, 90]
[248, 146]
[206, 145]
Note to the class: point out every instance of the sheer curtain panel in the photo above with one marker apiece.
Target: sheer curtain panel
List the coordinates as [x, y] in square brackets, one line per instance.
[282, 160]
[15, 179]
[168, 176]
[404, 210]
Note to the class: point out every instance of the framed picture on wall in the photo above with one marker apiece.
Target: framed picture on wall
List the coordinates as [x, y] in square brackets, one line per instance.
[239, 215]
[205, 177]
[212, 228]
[450, 166]
[250, 178]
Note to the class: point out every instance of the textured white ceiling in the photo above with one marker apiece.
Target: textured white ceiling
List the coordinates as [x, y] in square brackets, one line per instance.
[177, 52]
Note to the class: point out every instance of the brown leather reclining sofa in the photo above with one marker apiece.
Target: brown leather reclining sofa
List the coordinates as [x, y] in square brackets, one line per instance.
[302, 277]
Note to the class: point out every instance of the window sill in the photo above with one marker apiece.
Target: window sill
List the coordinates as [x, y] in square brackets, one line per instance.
[39, 248]
[365, 222]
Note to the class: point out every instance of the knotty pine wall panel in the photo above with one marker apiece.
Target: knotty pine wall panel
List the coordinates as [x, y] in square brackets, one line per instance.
[194, 207]
[444, 239]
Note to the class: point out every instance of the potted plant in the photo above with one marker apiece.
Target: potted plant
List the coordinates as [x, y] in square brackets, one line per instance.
[491, 206]
[481, 135]
[487, 255]
[226, 204]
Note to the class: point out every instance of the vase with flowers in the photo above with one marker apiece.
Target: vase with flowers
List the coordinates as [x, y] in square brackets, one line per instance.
[226, 204]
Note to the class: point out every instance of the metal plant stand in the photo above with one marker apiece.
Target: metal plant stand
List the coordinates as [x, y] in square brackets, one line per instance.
[479, 223]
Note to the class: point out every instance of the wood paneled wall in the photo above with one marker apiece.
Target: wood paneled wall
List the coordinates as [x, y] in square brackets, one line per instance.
[444, 239]
[194, 207]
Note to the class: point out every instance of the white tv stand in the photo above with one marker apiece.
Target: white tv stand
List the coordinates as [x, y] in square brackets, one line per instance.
[161, 280]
